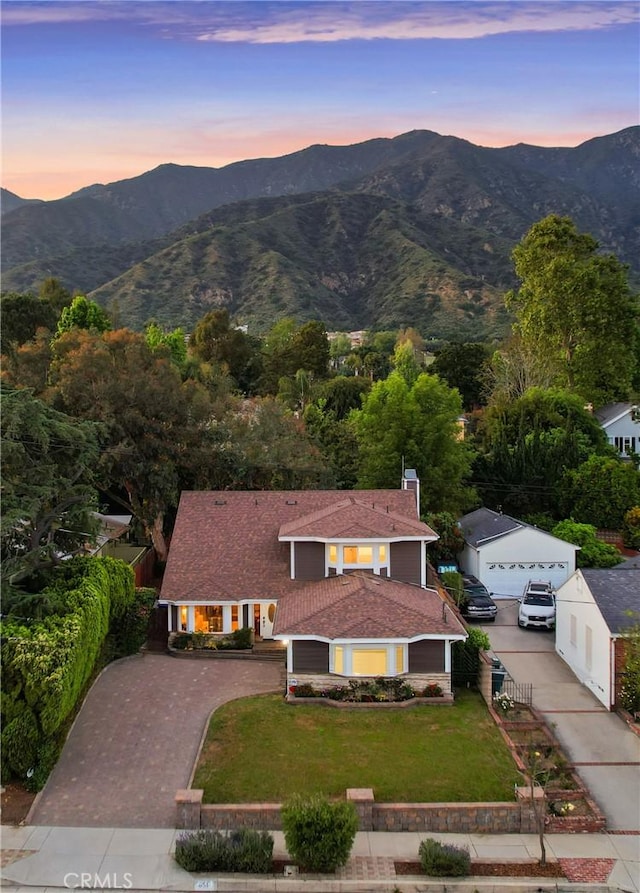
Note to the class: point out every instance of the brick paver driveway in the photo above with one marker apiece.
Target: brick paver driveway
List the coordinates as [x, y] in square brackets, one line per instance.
[134, 742]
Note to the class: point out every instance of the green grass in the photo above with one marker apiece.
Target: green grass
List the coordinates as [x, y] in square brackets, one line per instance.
[261, 749]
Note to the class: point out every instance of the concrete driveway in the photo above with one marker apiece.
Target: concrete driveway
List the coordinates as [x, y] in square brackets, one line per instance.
[135, 740]
[605, 752]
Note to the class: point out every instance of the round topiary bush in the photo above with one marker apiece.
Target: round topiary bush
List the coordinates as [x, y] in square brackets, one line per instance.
[319, 835]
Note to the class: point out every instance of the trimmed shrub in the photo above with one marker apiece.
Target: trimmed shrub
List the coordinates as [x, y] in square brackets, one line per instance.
[47, 663]
[444, 860]
[131, 627]
[245, 850]
[20, 740]
[239, 639]
[319, 835]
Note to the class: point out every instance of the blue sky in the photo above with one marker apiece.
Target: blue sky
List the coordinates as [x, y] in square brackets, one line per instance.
[100, 91]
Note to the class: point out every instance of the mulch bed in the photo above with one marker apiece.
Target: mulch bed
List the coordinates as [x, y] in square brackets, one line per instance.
[478, 869]
[494, 869]
[15, 803]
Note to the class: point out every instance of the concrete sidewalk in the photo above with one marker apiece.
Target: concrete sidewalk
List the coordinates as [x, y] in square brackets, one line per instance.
[140, 859]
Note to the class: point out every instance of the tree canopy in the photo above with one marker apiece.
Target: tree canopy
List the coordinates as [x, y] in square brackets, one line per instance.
[83, 314]
[155, 426]
[48, 485]
[574, 307]
[414, 426]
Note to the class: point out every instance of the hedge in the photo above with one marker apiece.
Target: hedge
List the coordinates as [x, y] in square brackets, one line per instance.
[47, 663]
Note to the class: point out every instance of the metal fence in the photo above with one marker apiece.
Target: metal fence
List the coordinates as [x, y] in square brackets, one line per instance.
[521, 692]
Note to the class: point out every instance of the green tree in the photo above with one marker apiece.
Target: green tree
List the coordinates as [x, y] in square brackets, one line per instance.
[631, 528]
[22, 316]
[215, 340]
[157, 429]
[526, 447]
[416, 425]
[83, 314]
[172, 342]
[272, 451]
[277, 355]
[450, 544]
[48, 492]
[593, 552]
[336, 440]
[406, 361]
[600, 491]
[310, 349]
[342, 394]
[462, 366]
[575, 309]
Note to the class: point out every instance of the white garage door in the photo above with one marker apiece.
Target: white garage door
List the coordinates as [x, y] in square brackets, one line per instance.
[511, 578]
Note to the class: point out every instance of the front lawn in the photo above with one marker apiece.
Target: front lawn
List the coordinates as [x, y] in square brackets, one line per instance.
[262, 749]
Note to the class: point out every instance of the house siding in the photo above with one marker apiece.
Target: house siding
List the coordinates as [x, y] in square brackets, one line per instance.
[310, 657]
[426, 657]
[507, 563]
[309, 561]
[405, 562]
[593, 668]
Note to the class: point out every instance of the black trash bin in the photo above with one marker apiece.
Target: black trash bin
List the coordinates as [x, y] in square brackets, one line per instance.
[498, 673]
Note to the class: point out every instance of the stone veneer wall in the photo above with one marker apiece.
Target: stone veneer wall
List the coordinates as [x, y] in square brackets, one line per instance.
[455, 818]
[417, 681]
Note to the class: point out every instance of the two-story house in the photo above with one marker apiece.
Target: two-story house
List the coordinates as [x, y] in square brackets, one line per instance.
[339, 576]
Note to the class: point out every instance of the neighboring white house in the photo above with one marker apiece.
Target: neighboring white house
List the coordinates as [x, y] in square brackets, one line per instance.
[593, 608]
[621, 423]
[506, 553]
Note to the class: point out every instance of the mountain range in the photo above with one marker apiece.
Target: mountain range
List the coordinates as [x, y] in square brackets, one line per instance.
[415, 230]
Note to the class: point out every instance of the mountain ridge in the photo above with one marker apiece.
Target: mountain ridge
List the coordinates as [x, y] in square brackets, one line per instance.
[111, 240]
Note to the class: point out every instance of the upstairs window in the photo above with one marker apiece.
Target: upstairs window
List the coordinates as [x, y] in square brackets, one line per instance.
[373, 556]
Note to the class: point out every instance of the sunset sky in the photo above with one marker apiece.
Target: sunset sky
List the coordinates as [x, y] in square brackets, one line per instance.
[94, 92]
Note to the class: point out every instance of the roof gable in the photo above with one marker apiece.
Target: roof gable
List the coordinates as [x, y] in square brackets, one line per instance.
[352, 518]
[613, 412]
[616, 591]
[484, 526]
[363, 606]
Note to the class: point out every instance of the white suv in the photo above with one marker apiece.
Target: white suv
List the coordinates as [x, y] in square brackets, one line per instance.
[537, 605]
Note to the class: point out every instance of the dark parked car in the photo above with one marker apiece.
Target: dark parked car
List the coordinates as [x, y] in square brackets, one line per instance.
[476, 603]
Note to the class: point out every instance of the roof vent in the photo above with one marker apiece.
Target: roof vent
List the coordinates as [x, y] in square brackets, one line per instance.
[220, 502]
[292, 502]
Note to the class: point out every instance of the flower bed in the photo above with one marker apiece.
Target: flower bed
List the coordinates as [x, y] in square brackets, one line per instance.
[569, 805]
[373, 691]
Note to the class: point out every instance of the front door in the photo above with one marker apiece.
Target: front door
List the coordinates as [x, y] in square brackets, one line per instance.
[267, 616]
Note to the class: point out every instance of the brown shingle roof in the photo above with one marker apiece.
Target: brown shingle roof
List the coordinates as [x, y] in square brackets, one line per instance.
[363, 606]
[352, 517]
[225, 543]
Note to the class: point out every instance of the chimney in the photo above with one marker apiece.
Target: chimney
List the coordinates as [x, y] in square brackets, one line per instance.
[410, 482]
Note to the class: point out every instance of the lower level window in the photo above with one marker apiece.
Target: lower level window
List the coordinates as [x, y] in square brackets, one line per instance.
[208, 619]
[369, 662]
[380, 660]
